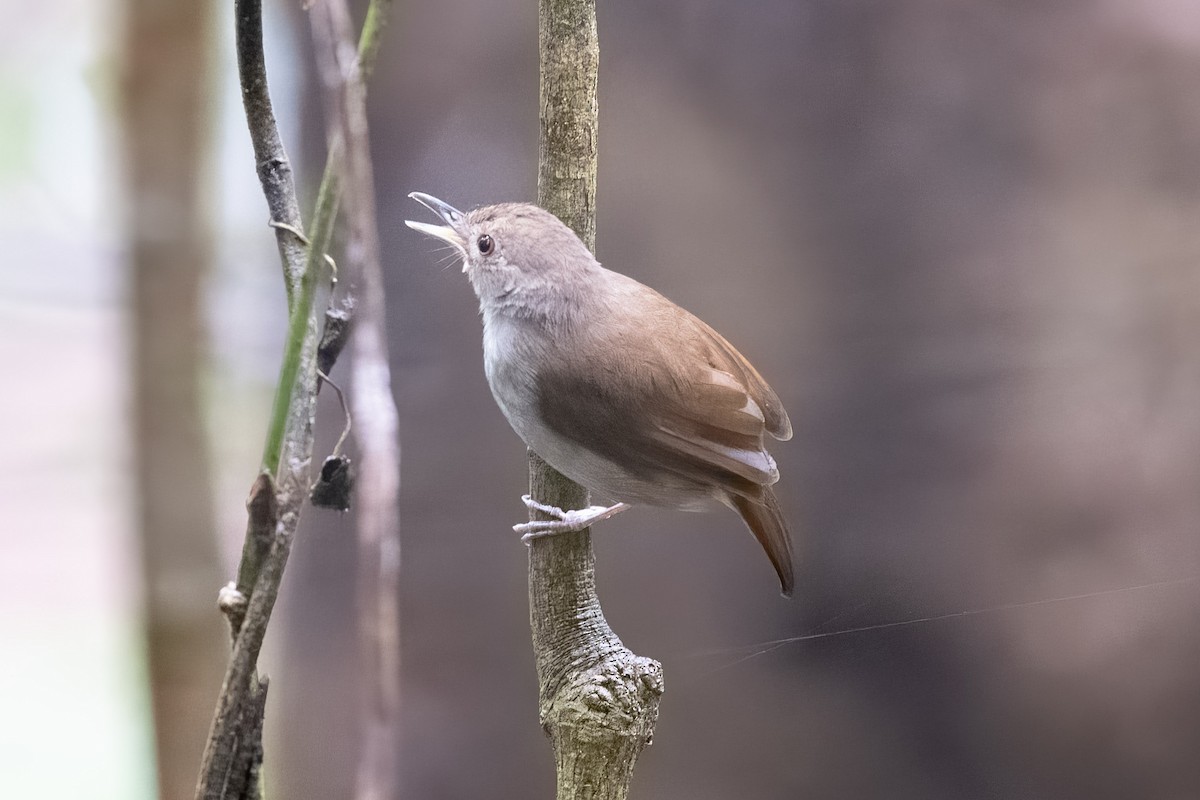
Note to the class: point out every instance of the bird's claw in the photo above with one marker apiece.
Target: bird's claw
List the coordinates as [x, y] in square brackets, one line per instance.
[534, 505]
[564, 521]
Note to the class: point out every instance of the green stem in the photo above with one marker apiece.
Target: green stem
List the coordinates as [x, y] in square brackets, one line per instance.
[302, 314]
[303, 308]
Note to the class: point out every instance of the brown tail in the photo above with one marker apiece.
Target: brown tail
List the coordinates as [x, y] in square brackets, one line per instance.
[766, 523]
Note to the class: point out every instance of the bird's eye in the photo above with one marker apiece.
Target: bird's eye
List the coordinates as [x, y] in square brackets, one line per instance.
[485, 244]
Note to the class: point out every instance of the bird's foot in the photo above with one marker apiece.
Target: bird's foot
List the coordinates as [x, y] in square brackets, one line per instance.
[564, 521]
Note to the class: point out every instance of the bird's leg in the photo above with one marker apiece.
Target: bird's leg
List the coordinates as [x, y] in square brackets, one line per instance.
[564, 521]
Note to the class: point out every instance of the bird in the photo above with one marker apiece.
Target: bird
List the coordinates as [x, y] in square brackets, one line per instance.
[611, 383]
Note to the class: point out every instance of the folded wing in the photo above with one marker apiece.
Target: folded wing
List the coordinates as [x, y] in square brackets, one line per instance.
[694, 411]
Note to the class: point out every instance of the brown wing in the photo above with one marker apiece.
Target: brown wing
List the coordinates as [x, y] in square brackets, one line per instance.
[664, 394]
[683, 399]
[725, 356]
[650, 433]
[723, 414]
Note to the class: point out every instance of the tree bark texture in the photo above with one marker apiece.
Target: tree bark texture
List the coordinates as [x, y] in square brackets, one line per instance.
[598, 701]
[569, 59]
[165, 94]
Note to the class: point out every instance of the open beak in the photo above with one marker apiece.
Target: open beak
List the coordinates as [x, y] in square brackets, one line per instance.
[449, 214]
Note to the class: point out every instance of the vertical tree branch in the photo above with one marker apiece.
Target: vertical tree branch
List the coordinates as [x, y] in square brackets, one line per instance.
[270, 158]
[569, 68]
[233, 755]
[598, 701]
[376, 421]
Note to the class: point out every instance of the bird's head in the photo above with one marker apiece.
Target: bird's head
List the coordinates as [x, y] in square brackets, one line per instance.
[516, 255]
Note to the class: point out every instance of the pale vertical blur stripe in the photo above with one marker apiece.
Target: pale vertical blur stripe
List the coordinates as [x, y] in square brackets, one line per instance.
[72, 672]
[71, 676]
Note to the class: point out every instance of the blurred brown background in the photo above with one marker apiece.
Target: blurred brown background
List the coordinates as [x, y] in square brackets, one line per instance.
[961, 241]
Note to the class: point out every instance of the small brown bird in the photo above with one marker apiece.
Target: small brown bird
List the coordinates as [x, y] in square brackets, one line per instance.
[611, 383]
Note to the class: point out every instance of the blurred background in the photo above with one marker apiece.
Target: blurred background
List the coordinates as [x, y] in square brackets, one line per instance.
[960, 239]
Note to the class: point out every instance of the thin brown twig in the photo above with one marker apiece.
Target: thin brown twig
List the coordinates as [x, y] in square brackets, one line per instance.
[233, 755]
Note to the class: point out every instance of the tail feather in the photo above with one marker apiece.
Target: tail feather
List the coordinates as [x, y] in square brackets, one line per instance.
[766, 522]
